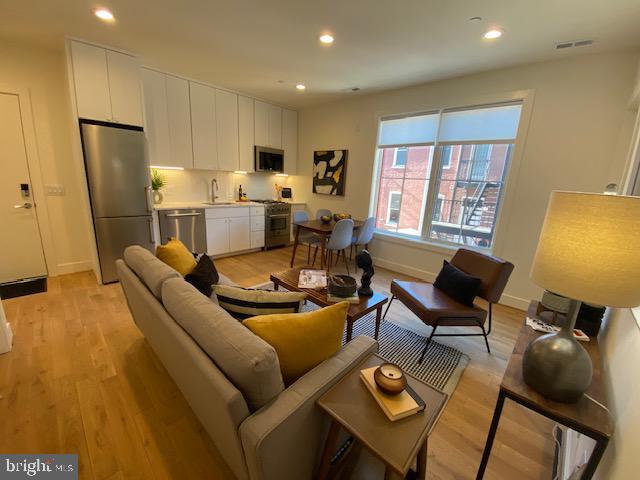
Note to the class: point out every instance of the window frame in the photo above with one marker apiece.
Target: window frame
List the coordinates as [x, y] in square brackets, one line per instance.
[523, 97]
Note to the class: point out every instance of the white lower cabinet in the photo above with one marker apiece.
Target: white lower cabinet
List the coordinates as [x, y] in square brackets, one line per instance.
[239, 234]
[234, 229]
[257, 239]
[217, 236]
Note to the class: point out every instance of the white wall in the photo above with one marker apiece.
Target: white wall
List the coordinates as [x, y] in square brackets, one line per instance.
[577, 140]
[43, 73]
[195, 185]
[620, 342]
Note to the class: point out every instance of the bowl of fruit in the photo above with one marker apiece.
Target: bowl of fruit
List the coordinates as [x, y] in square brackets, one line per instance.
[340, 216]
[325, 218]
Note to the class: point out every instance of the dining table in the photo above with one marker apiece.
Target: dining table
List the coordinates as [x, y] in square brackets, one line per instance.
[321, 229]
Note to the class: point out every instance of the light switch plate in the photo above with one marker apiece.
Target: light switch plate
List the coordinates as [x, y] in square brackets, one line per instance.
[55, 190]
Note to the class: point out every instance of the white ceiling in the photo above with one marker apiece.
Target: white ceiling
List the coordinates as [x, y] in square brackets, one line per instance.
[248, 45]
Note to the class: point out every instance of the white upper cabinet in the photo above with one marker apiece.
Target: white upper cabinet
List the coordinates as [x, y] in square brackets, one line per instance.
[275, 126]
[203, 126]
[246, 133]
[156, 117]
[168, 119]
[268, 125]
[124, 86]
[179, 114]
[91, 81]
[227, 130]
[290, 140]
[107, 84]
[261, 123]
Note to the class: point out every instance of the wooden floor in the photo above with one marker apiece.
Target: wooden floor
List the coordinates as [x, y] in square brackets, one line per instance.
[82, 379]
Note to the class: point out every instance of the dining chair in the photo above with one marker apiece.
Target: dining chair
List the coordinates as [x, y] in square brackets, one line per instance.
[340, 240]
[363, 236]
[322, 212]
[306, 237]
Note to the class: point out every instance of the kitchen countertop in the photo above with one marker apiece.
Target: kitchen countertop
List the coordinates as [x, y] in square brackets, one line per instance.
[186, 205]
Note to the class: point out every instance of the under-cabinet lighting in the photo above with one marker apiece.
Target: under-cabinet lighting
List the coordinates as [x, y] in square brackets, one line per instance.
[240, 172]
[159, 167]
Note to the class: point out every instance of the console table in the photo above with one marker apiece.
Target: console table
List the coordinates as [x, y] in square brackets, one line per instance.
[584, 416]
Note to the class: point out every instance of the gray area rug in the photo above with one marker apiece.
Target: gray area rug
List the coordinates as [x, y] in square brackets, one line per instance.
[442, 366]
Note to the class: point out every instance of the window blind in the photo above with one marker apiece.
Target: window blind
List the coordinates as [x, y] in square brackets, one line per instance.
[418, 129]
[477, 124]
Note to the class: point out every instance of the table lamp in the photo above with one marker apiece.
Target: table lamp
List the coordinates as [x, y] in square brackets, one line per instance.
[588, 251]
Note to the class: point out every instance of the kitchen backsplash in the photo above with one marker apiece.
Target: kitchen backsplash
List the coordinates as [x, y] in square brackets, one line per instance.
[195, 185]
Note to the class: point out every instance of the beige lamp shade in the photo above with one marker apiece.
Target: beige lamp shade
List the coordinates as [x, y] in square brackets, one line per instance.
[589, 248]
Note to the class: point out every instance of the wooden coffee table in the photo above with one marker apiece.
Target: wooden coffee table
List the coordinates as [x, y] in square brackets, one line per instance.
[397, 444]
[289, 280]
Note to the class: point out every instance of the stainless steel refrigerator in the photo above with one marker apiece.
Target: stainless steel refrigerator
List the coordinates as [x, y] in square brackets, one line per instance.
[120, 191]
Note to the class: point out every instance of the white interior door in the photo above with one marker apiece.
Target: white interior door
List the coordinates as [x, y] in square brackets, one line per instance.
[20, 243]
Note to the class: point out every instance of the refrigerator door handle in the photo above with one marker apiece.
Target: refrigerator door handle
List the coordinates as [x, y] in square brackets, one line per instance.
[147, 193]
[151, 232]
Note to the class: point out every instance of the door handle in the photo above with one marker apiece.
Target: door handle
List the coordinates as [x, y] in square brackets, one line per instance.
[151, 232]
[183, 214]
[26, 205]
[147, 193]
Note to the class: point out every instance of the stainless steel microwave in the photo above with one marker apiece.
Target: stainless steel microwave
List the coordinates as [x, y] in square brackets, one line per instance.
[269, 159]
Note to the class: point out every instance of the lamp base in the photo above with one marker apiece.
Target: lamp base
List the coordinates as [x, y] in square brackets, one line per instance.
[556, 365]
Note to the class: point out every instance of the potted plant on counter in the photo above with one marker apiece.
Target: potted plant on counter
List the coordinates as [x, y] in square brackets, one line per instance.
[157, 182]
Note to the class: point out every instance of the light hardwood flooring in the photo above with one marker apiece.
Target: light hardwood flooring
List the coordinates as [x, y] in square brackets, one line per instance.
[82, 379]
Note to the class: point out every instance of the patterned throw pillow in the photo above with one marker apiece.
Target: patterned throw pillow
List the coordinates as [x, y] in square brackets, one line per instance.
[244, 302]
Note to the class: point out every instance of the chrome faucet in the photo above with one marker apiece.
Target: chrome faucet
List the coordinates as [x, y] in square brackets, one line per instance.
[214, 189]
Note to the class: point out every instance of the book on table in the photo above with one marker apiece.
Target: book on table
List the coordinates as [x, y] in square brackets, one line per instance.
[395, 407]
[312, 279]
[355, 298]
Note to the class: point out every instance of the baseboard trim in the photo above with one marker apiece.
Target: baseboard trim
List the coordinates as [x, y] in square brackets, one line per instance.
[73, 267]
[506, 299]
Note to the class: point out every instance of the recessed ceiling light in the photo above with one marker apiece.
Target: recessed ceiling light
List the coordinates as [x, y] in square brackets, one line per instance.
[492, 34]
[300, 87]
[104, 14]
[326, 38]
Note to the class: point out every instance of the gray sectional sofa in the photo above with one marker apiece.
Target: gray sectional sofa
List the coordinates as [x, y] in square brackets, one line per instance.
[230, 377]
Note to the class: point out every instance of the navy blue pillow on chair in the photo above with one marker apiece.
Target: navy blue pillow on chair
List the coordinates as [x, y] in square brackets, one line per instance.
[457, 284]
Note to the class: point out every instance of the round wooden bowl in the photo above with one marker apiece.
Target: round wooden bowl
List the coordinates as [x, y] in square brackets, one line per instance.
[390, 379]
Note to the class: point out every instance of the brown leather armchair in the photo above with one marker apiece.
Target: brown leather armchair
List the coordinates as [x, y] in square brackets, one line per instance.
[436, 309]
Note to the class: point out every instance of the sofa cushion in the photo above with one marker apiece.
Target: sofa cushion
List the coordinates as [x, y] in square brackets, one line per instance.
[247, 360]
[175, 254]
[148, 268]
[246, 302]
[302, 340]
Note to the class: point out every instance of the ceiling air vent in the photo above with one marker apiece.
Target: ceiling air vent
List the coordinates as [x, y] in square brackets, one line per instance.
[575, 43]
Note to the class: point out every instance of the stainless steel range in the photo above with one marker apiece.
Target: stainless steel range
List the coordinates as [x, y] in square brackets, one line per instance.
[277, 223]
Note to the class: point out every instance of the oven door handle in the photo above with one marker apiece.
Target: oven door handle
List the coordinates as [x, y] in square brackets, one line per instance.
[278, 216]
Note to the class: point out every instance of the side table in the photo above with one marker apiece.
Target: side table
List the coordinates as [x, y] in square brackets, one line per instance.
[397, 444]
[585, 416]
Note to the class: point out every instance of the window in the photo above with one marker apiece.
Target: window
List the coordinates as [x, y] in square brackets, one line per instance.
[462, 154]
[400, 157]
[445, 159]
[393, 210]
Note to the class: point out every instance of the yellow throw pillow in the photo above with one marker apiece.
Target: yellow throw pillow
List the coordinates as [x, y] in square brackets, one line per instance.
[175, 254]
[302, 340]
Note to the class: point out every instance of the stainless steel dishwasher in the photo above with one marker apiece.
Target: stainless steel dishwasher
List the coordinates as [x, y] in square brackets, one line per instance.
[187, 225]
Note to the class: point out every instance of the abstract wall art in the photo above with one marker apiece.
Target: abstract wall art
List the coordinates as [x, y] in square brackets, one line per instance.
[329, 171]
